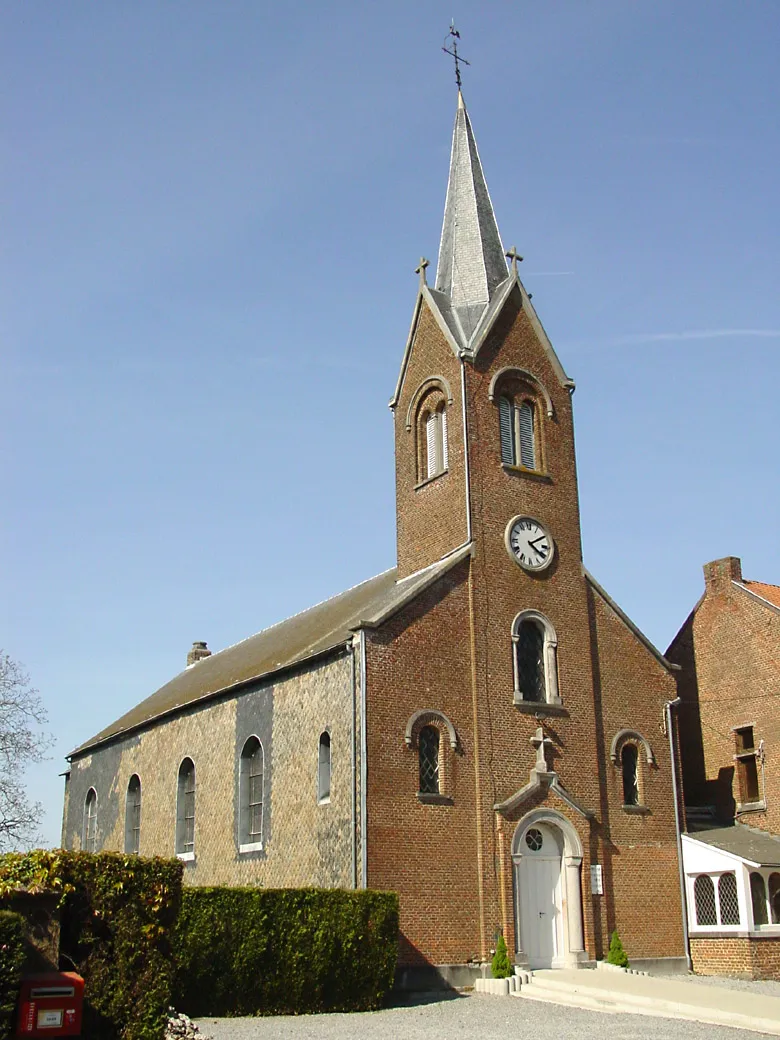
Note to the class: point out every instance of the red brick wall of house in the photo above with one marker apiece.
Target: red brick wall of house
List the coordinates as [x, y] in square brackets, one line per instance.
[608, 680]
[729, 652]
[741, 956]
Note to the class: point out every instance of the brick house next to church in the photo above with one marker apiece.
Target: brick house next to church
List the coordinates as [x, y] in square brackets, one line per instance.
[729, 653]
[480, 728]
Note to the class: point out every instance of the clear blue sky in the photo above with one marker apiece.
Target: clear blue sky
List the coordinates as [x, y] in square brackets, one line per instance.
[211, 218]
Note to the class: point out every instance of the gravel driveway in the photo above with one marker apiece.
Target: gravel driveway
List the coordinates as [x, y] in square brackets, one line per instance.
[479, 1017]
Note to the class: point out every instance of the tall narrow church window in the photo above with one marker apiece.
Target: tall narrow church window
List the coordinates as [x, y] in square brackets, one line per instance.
[436, 450]
[517, 422]
[185, 809]
[629, 761]
[89, 842]
[251, 780]
[133, 815]
[428, 744]
[323, 768]
[529, 653]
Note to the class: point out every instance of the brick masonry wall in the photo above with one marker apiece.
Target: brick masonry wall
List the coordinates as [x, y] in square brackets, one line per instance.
[739, 956]
[608, 680]
[431, 515]
[304, 843]
[728, 649]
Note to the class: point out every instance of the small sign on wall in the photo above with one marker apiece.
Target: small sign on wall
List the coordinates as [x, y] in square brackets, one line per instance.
[596, 880]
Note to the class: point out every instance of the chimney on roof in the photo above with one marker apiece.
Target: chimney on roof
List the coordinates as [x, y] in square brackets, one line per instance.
[198, 652]
[720, 572]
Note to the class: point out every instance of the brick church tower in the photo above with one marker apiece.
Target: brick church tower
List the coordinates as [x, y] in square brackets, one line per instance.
[536, 743]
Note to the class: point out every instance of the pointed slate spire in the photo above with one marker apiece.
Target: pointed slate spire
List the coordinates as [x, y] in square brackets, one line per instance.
[471, 257]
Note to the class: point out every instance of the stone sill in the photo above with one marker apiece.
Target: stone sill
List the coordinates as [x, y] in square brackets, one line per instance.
[430, 480]
[751, 807]
[186, 857]
[251, 846]
[636, 810]
[434, 799]
[534, 474]
[539, 707]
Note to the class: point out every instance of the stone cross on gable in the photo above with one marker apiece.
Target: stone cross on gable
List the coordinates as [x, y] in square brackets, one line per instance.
[514, 256]
[420, 269]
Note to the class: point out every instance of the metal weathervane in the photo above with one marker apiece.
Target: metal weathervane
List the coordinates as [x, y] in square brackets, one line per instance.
[452, 50]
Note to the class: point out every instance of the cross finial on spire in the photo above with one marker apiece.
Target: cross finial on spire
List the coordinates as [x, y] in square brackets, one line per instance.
[420, 269]
[454, 35]
[514, 256]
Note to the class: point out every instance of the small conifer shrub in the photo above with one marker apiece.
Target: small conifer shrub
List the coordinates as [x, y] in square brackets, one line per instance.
[617, 955]
[500, 966]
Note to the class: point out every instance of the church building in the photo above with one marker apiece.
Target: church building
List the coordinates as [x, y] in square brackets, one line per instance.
[481, 728]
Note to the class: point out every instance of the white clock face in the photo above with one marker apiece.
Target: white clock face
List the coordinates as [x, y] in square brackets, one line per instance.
[529, 543]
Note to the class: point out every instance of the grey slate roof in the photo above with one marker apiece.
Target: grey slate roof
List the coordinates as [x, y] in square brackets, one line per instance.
[304, 636]
[471, 257]
[746, 842]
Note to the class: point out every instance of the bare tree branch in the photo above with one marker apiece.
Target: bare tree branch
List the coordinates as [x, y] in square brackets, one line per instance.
[21, 714]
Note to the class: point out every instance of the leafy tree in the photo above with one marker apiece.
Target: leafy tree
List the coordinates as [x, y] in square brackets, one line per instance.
[21, 714]
[617, 955]
[500, 965]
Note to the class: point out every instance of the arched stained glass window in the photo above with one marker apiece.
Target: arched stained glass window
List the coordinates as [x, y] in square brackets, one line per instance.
[133, 815]
[251, 793]
[629, 761]
[529, 651]
[89, 840]
[185, 809]
[428, 743]
[323, 768]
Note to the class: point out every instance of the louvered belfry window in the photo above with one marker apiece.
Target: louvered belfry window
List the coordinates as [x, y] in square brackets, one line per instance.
[518, 433]
[436, 450]
[529, 648]
[428, 743]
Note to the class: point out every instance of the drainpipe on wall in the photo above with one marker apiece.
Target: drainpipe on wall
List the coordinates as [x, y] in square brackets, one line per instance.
[352, 647]
[363, 764]
[673, 757]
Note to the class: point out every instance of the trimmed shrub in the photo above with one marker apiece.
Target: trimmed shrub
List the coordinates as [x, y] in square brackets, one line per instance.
[116, 917]
[11, 964]
[617, 955]
[249, 951]
[500, 965]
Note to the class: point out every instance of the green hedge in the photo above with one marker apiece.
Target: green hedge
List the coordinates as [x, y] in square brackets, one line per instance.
[247, 951]
[117, 913]
[11, 964]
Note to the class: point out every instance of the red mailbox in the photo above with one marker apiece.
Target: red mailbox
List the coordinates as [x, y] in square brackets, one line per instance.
[50, 1005]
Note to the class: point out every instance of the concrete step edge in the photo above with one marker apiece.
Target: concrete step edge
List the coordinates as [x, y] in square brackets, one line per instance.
[644, 1006]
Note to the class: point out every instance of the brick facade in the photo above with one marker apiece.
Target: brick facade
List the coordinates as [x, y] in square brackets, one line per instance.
[452, 651]
[729, 652]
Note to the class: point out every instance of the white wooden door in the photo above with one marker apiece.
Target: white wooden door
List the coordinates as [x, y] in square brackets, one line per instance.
[539, 896]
